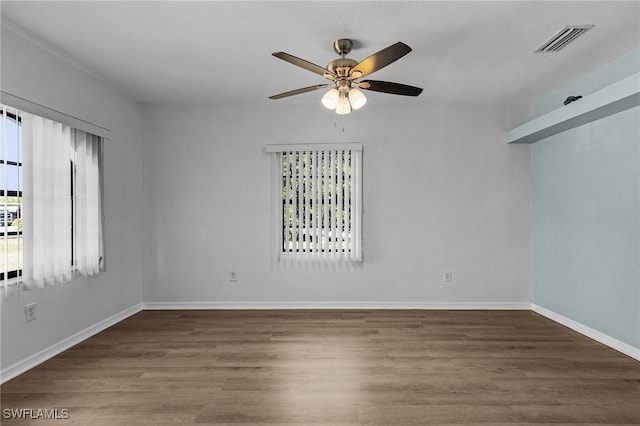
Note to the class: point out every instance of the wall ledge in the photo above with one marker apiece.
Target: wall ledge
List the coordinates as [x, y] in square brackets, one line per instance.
[609, 100]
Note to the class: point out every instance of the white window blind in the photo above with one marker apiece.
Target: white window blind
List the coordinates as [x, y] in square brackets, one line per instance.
[88, 209]
[47, 147]
[318, 201]
[61, 208]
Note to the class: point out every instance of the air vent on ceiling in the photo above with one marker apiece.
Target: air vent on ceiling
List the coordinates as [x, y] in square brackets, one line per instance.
[565, 36]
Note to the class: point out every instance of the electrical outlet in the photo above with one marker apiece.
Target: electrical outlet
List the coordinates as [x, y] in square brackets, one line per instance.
[30, 312]
[447, 277]
[233, 276]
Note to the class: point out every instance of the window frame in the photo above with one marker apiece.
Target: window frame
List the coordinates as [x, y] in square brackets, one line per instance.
[12, 275]
[15, 277]
[343, 170]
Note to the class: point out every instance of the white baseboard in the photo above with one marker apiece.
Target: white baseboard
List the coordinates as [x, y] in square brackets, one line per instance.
[596, 335]
[339, 305]
[28, 363]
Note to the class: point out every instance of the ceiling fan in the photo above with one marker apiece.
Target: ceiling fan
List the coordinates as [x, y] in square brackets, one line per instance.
[345, 74]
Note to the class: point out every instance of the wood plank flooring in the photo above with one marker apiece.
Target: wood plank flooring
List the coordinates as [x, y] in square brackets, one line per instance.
[380, 367]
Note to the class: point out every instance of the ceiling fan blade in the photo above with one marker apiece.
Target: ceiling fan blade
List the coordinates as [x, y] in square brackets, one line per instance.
[299, 91]
[380, 59]
[305, 64]
[390, 87]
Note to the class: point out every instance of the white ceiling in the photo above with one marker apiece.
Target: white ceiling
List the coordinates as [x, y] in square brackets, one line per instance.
[220, 52]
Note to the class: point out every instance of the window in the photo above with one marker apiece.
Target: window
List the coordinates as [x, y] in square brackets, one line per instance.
[10, 194]
[52, 193]
[318, 201]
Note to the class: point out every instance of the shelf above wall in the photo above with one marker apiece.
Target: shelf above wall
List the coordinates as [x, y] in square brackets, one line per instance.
[609, 100]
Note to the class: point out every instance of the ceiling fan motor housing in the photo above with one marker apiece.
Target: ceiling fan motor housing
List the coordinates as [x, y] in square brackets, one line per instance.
[342, 66]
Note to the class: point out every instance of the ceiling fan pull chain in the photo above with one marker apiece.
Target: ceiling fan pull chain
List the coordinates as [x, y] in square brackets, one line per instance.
[335, 121]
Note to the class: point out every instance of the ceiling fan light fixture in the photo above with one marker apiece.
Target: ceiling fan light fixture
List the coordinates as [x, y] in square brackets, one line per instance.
[357, 98]
[330, 99]
[343, 107]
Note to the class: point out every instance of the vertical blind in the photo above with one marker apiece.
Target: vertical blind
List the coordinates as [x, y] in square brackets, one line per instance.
[61, 202]
[48, 148]
[88, 209]
[318, 198]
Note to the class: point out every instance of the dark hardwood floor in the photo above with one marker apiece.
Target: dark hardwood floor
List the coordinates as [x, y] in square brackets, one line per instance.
[333, 368]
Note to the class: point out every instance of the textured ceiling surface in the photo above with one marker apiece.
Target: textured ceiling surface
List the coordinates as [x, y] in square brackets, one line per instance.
[220, 52]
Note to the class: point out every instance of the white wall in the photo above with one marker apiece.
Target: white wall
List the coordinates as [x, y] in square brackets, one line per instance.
[35, 74]
[442, 191]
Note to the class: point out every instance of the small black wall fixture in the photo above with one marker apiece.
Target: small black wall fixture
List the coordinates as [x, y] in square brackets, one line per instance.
[571, 99]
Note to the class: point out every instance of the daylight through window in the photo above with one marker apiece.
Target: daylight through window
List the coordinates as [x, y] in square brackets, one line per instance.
[50, 210]
[11, 182]
[319, 201]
